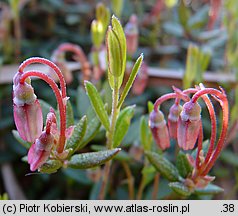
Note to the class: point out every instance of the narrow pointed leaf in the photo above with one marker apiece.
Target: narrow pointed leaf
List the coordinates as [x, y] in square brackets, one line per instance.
[131, 80]
[51, 166]
[97, 104]
[92, 159]
[78, 134]
[180, 188]
[165, 168]
[20, 140]
[82, 102]
[122, 125]
[112, 82]
[183, 165]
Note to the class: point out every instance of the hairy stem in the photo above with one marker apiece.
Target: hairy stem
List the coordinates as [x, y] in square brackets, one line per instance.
[110, 135]
[59, 99]
[51, 65]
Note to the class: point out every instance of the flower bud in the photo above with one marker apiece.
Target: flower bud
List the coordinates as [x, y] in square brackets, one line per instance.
[27, 110]
[40, 150]
[97, 31]
[189, 125]
[173, 117]
[131, 33]
[116, 48]
[159, 129]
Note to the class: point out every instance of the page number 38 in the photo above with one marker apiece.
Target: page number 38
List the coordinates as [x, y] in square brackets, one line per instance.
[228, 208]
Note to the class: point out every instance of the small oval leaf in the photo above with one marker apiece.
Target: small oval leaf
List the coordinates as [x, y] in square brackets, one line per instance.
[180, 188]
[51, 166]
[209, 190]
[145, 133]
[122, 125]
[183, 165]
[78, 134]
[97, 103]
[166, 168]
[92, 159]
[93, 127]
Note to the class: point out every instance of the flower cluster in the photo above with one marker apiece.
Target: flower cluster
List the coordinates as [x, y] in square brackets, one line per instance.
[28, 114]
[185, 125]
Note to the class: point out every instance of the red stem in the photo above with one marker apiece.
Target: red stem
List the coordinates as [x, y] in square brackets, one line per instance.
[200, 139]
[221, 97]
[51, 65]
[163, 98]
[59, 99]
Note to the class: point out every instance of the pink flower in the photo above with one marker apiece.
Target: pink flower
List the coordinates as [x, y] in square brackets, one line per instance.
[27, 111]
[189, 125]
[40, 150]
[174, 113]
[159, 129]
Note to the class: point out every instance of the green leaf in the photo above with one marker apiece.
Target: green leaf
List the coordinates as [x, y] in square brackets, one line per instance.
[121, 156]
[117, 6]
[93, 127]
[116, 25]
[51, 166]
[82, 102]
[131, 80]
[165, 168]
[173, 28]
[97, 104]
[184, 14]
[145, 134]
[210, 189]
[183, 165]
[112, 82]
[148, 173]
[69, 114]
[180, 188]
[122, 125]
[150, 106]
[229, 157]
[114, 53]
[20, 140]
[78, 134]
[92, 159]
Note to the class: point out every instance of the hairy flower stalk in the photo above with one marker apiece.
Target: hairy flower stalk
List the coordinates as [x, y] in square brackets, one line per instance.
[28, 114]
[189, 130]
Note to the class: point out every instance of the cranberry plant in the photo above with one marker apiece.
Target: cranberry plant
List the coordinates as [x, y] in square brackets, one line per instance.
[55, 144]
[195, 157]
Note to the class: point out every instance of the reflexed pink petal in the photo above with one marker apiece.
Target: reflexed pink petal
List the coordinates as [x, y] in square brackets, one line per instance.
[29, 121]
